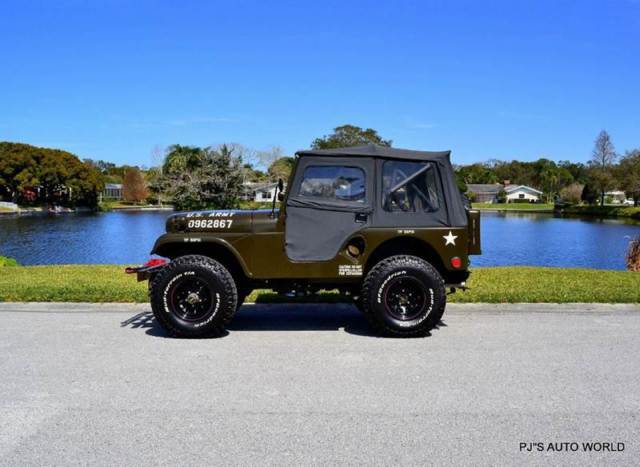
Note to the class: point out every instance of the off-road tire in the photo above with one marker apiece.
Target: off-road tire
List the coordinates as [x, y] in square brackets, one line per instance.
[205, 276]
[387, 280]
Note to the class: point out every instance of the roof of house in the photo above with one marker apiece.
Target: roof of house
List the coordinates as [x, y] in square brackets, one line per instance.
[485, 188]
[512, 188]
[113, 186]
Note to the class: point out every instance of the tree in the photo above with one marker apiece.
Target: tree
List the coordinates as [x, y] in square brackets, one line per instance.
[268, 157]
[589, 194]
[281, 168]
[348, 136]
[602, 181]
[200, 178]
[572, 193]
[476, 173]
[182, 158]
[579, 171]
[462, 186]
[602, 158]
[154, 179]
[502, 196]
[134, 187]
[251, 174]
[629, 175]
[29, 173]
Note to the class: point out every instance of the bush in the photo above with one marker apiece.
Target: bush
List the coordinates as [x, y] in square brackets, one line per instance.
[589, 194]
[502, 196]
[633, 255]
[4, 261]
[572, 194]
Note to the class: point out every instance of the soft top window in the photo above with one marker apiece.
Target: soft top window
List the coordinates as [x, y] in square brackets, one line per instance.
[333, 183]
[410, 187]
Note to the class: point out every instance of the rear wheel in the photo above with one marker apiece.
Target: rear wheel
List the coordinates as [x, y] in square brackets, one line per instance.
[403, 296]
[194, 296]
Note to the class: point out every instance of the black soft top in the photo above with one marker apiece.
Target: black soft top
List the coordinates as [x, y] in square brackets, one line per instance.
[453, 214]
[372, 150]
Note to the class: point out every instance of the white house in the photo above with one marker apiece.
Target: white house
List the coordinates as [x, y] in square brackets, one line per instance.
[522, 194]
[259, 192]
[617, 196]
[112, 191]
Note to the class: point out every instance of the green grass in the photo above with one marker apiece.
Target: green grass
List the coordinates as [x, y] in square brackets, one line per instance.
[4, 261]
[257, 204]
[78, 283]
[604, 211]
[514, 206]
[596, 211]
[115, 205]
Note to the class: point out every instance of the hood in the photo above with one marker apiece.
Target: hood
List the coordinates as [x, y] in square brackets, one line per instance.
[218, 221]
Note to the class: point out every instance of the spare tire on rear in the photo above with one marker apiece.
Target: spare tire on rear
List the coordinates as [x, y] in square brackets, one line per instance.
[194, 296]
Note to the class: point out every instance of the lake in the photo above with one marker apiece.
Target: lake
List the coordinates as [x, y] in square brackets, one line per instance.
[126, 238]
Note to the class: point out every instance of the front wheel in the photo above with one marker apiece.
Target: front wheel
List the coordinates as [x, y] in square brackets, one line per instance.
[194, 296]
[403, 296]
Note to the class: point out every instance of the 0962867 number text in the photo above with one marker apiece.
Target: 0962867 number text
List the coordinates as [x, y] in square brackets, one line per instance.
[209, 223]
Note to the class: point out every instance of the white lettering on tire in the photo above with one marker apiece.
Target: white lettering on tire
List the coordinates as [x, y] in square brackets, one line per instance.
[406, 323]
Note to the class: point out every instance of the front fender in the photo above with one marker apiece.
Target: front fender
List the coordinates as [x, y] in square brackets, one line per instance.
[172, 245]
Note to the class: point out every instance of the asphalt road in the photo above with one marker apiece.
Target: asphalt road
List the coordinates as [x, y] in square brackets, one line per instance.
[307, 385]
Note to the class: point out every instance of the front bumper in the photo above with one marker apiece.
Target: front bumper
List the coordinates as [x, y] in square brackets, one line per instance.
[148, 269]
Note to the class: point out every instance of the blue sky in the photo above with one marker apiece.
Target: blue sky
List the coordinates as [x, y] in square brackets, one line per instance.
[114, 79]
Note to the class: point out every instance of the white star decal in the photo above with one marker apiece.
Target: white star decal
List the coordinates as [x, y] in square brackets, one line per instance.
[450, 239]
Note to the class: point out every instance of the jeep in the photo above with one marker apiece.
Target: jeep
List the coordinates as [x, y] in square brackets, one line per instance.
[387, 227]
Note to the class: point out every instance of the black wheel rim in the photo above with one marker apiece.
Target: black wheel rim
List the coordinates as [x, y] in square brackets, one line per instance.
[405, 298]
[191, 299]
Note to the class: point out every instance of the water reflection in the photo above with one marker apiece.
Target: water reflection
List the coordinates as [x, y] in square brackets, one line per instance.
[548, 240]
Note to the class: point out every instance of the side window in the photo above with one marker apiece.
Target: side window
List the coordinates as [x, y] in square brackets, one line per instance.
[410, 187]
[333, 183]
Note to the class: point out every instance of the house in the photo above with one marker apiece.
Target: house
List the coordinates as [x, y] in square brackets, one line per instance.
[112, 191]
[522, 194]
[484, 193]
[488, 193]
[616, 196]
[259, 192]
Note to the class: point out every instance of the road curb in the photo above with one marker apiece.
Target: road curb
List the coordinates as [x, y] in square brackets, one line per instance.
[68, 307]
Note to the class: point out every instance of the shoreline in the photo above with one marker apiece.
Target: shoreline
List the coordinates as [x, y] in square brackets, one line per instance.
[39, 211]
[596, 212]
[535, 211]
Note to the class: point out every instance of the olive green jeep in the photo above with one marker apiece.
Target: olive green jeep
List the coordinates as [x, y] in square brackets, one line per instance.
[387, 227]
